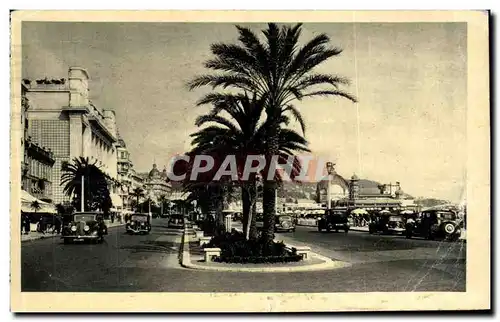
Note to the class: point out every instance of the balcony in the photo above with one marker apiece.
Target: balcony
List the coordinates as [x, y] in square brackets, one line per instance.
[39, 153]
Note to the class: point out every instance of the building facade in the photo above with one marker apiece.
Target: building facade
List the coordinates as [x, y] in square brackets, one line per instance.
[336, 191]
[62, 118]
[124, 172]
[156, 184]
[36, 161]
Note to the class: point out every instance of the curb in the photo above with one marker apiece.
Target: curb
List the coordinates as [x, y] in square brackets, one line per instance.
[328, 265]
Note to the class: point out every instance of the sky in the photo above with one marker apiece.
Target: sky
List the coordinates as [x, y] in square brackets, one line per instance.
[409, 124]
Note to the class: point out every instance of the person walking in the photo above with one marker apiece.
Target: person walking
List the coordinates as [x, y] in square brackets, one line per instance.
[57, 224]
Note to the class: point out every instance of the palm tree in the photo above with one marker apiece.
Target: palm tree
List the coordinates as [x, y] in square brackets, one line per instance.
[138, 193]
[279, 71]
[241, 134]
[96, 194]
[35, 205]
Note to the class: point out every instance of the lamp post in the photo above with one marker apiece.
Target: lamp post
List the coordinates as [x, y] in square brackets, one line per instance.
[83, 195]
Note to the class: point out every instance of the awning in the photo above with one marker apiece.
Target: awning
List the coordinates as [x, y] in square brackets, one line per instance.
[116, 200]
[46, 208]
[27, 199]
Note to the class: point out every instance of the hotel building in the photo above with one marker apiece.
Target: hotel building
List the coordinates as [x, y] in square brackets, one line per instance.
[62, 118]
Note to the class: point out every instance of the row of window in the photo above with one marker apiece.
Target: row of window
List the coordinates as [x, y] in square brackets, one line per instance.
[39, 169]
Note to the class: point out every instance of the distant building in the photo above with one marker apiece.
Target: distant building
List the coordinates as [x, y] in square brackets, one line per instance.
[36, 161]
[62, 118]
[124, 174]
[335, 191]
[156, 185]
[136, 180]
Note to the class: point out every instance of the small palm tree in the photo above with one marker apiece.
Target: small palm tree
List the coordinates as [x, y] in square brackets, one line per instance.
[138, 193]
[95, 181]
[35, 205]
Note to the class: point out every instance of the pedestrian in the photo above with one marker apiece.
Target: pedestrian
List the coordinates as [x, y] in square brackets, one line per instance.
[58, 223]
[112, 217]
[41, 225]
[27, 224]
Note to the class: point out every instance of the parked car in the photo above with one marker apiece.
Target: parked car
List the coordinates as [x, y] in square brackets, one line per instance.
[334, 219]
[387, 224]
[176, 221]
[434, 224]
[138, 224]
[284, 223]
[82, 226]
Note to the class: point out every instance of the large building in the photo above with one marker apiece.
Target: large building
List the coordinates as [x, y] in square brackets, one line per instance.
[156, 184]
[36, 161]
[335, 191]
[63, 118]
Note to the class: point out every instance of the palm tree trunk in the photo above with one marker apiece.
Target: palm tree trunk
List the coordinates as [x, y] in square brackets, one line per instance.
[253, 219]
[269, 205]
[269, 189]
[247, 207]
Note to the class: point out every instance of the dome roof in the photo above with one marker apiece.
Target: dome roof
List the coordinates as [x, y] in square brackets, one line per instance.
[154, 172]
[164, 173]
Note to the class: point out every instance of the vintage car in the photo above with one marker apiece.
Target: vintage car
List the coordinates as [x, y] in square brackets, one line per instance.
[138, 224]
[434, 224]
[176, 221]
[283, 223]
[334, 219]
[387, 224]
[82, 226]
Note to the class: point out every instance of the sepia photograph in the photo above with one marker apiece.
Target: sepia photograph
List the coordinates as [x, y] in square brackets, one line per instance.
[323, 161]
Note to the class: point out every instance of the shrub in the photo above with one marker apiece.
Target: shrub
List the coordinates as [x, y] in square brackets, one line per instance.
[236, 249]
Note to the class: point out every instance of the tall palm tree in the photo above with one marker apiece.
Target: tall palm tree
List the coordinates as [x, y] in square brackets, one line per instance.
[96, 192]
[279, 70]
[241, 134]
[138, 193]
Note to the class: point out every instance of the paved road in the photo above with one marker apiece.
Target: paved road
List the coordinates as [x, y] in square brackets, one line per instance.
[150, 263]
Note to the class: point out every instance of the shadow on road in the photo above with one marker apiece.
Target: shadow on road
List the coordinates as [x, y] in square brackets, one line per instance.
[152, 246]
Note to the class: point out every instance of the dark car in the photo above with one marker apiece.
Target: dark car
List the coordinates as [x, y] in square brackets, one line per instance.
[138, 224]
[284, 223]
[387, 224]
[176, 221]
[434, 224]
[83, 226]
[334, 220]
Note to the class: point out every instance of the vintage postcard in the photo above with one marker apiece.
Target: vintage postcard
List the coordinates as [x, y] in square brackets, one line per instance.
[250, 161]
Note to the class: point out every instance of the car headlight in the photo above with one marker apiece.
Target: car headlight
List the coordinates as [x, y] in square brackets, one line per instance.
[94, 232]
[86, 228]
[73, 228]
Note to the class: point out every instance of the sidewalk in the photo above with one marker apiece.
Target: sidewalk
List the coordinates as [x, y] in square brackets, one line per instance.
[36, 235]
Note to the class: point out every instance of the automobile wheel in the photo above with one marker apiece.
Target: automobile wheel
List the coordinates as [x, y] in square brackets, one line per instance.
[319, 229]
[67, 241]
[100, 240]
[328, 228]
[408, 234]
[346, 230]
[449, 228]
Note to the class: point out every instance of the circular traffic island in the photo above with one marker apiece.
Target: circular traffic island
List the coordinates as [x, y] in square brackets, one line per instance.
[232, 252]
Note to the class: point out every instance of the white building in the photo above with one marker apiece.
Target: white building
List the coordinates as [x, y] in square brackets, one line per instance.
[62, 118]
